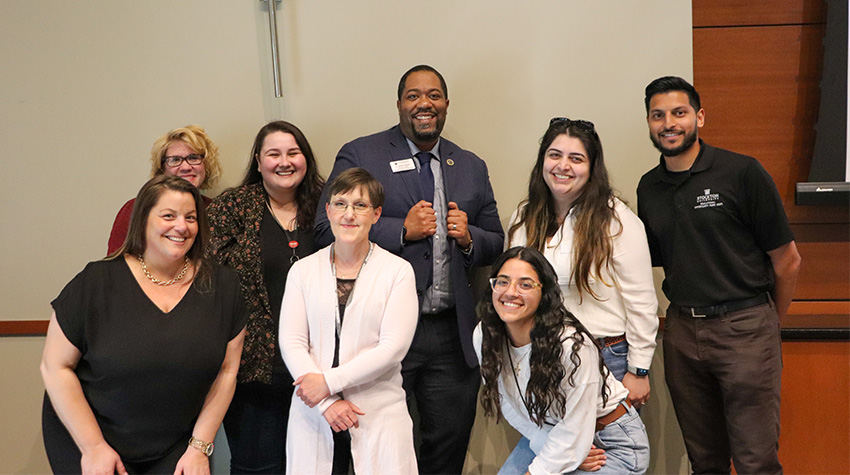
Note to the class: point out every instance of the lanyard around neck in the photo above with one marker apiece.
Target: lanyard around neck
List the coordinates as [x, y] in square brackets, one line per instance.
[338, 320]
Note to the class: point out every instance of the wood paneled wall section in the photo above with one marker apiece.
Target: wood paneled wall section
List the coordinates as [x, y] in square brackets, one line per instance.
[757, 66]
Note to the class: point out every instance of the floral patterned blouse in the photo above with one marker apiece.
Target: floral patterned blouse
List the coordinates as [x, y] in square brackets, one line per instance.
[235, 218]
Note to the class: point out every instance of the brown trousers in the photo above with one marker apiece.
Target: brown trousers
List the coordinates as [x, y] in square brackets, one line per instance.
[724, 374]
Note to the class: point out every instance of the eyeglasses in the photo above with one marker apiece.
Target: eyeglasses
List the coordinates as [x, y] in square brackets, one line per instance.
[523, 286]
[340, 206]
[176, 160]
[585, 125]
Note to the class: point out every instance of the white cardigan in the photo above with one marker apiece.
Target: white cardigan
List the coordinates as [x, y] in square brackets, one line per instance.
[377, 329]
[626, 301]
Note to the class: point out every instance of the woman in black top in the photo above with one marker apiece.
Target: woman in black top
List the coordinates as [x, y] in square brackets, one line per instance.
[260, 229]
[142, 349]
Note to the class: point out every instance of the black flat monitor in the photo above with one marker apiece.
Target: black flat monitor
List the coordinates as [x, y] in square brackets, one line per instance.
[829, 175]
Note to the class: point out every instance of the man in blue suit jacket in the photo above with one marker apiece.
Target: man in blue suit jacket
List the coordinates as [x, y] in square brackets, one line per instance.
[440, 215]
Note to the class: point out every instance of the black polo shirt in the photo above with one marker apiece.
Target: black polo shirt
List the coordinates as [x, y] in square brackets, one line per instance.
[710, 227]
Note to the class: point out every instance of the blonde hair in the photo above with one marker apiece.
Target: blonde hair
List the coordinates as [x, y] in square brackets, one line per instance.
[195, 137]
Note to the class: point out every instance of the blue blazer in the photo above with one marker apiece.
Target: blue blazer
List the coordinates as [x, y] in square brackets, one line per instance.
[466, 182]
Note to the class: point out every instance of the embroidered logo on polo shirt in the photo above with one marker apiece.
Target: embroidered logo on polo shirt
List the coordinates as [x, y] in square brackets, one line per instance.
[708, 200]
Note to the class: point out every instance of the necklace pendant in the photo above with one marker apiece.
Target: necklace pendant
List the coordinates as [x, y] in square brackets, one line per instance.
[293, 244]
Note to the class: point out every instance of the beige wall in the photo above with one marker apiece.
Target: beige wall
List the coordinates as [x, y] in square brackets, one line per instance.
[88, 85]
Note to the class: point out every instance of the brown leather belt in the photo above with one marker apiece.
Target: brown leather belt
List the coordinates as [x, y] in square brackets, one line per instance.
[611, 340]
[612, 416]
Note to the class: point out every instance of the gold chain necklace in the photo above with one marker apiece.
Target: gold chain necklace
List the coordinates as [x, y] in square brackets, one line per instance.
[164, 282]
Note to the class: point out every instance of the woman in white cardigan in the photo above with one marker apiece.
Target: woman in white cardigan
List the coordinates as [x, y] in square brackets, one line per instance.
[347, 319]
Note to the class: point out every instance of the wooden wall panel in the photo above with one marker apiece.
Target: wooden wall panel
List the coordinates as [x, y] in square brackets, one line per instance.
[755, 12]
[757, 65]
[23, 327]
[824, 274]
[815, 408]
[759, 88]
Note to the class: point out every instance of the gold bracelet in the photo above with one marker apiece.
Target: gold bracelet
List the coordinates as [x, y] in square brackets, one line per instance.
[205, 447]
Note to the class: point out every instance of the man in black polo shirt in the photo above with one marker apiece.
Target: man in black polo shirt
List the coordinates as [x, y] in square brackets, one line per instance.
[715, 222]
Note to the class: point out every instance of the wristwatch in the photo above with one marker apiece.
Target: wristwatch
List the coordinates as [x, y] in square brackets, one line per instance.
[639, 372]
[205, 447]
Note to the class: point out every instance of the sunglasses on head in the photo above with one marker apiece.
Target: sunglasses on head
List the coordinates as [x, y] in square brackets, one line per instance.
[585, 125]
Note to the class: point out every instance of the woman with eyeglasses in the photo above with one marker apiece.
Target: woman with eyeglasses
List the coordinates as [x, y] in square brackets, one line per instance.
[260, 229]
[543, 373]
[186, 152]
[347, 320]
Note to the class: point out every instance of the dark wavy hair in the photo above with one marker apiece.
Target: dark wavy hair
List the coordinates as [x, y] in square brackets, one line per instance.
[593, 244]
[543, 394]
[136, 243]
[309, 190]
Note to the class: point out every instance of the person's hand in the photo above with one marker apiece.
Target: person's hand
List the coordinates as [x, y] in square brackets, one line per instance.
[594, 461]
[102, 460]
[420, 222]
[193, 462]
[458, 226]
[342, 415]
[638, 387]
[312, 388]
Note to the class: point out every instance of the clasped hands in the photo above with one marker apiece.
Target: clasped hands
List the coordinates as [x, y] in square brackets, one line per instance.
[313, 389]
[421, 222]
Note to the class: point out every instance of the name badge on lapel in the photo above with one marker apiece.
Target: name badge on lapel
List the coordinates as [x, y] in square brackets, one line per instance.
[402, 165]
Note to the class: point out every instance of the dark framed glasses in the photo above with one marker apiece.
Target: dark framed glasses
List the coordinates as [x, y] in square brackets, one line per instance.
[585, 125]
[176, 160]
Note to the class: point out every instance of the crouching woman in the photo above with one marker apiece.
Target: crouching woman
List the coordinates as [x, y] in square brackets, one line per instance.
[543, 373]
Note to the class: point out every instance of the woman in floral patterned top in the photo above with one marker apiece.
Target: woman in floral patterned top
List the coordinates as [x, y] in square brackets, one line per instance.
[260, 229]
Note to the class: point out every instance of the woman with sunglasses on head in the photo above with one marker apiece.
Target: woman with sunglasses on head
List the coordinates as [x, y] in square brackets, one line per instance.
[543, 373]
[347, 320]
[260, 229]
[186, 152]
[143, 347]
[597, 246]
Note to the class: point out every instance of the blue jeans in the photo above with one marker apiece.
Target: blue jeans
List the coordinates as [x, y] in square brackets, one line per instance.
[624, 441]
[616, 359]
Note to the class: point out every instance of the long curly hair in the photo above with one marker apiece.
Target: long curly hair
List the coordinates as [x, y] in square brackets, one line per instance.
[543, 394]
[593, 243]
[309, 190]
